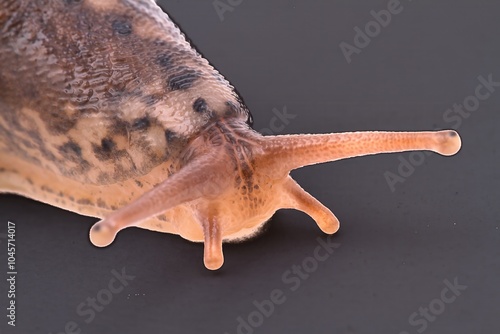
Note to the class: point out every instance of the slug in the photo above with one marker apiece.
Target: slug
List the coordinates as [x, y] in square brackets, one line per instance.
[107, 110]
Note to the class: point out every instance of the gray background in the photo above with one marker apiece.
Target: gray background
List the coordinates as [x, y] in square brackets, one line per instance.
[396, 247]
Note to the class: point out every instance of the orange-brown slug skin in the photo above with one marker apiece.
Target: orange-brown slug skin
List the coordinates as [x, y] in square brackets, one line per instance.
[107, 110]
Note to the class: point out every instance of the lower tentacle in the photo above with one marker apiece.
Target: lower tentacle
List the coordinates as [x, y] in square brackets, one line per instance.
[299, 199]
[213, 257]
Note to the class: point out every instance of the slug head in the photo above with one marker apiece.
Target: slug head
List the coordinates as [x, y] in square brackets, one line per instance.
[232, 179]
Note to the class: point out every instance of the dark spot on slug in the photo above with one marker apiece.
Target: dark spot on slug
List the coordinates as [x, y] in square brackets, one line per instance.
[170, 135]
[183, 78]
[35, 141]
[60, 123]
[105, 150]
[47, 189]
[107, 144]
[141, 123]
[232, 108]
[150, 100]
[73, 2]
[164, 60]
[71, 151]
[200, 105]
[249, 119]
[103, 178]
[159, 42]
[120, 127]
[139, 183]
[84, 201]
[122, 26]
[101, 203]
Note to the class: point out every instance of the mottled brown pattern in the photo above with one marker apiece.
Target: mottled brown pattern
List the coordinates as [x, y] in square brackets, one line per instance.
[115, 66]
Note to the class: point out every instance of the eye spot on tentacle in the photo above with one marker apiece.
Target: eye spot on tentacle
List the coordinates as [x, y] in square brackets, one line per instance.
[200, 105]
[183, 78]
[122, 26]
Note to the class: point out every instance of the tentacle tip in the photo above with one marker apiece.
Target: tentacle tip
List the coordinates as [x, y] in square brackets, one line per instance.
[213, 262]
[330, 228]
[449, 142]
[102, 234]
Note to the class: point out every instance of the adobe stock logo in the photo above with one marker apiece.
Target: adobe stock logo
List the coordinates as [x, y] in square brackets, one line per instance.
[223, 6]
[87, 310]
[277, 123]
[291, 280]
[453, 117]
[363, 37]
[429, 313]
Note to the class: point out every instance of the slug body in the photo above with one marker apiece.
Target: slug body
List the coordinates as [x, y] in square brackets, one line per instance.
[106, 110]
